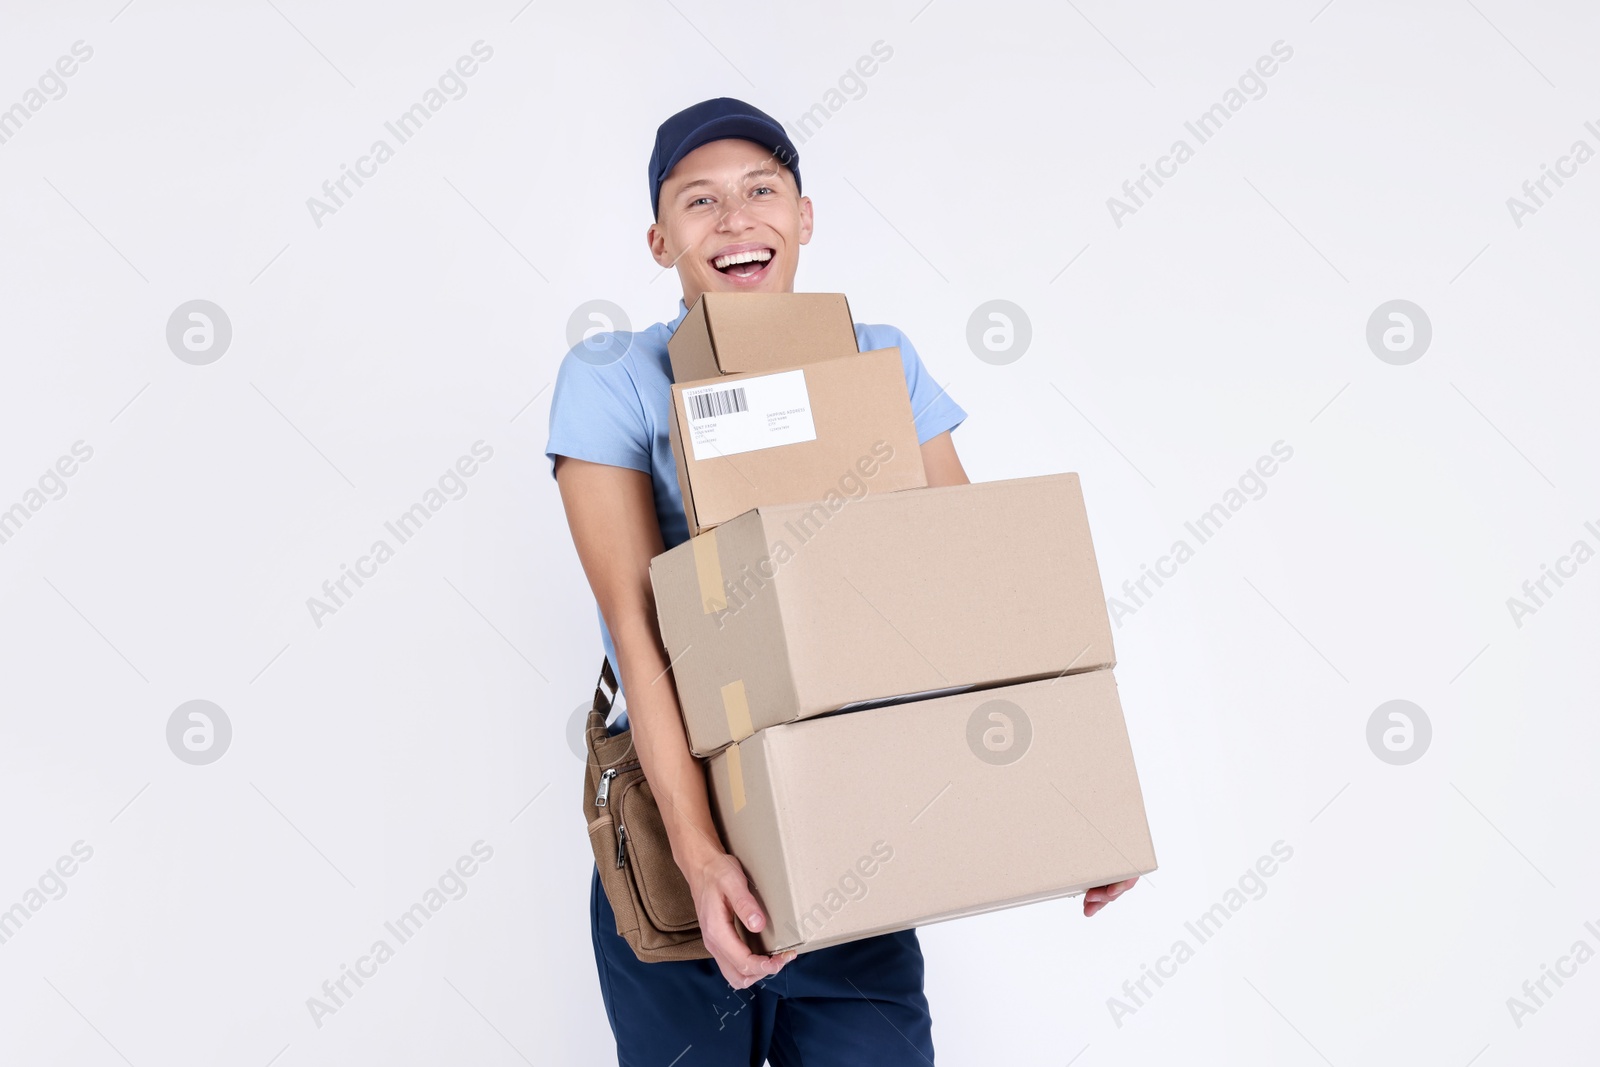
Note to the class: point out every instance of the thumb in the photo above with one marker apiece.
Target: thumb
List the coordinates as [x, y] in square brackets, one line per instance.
[745, 907]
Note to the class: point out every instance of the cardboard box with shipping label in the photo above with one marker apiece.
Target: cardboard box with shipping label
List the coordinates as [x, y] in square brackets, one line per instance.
[791, 611]
[781, 436]
[866, 822]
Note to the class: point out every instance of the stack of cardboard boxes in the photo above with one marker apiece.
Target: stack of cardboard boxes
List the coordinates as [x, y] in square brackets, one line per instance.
[904, 694]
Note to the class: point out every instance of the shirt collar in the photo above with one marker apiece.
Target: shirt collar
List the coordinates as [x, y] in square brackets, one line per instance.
[683, 309]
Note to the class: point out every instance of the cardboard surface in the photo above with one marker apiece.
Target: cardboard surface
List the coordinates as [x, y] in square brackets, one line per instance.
[869, 821]
[733, 333]
[877, 596]
[859, 409]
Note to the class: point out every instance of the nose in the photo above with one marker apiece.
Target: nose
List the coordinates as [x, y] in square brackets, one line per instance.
[732, 218]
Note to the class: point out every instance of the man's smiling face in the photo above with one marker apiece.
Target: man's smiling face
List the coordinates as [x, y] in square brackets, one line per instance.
[730, 205]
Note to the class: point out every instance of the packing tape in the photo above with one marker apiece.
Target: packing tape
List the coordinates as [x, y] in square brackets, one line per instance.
[708, 569]
[735, 777]
[737, 708]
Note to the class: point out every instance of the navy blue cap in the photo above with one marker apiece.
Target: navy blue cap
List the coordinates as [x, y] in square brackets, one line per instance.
[714, 120]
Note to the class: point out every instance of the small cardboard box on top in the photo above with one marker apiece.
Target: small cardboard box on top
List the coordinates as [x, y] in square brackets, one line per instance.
[792, 611]
[731, 333]
[870, 821]
[772, 403]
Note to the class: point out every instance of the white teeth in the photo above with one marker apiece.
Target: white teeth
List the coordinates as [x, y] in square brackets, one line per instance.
[758, 256]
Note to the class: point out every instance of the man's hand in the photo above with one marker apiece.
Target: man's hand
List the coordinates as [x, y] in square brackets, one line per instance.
[1100, 896]
[722, 892]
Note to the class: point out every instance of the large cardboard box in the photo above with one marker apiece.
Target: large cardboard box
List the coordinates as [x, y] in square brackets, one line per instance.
[870, 821]
[742, 440]
[792, 611]
[730, 333]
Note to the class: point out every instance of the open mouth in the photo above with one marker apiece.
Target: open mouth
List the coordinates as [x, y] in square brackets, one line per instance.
[744, 265]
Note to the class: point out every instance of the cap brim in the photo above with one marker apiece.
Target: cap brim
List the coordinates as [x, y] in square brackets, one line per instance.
[741, 127]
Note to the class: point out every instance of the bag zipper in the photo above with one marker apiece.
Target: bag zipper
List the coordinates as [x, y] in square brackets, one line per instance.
[622, 840]
[603, 794]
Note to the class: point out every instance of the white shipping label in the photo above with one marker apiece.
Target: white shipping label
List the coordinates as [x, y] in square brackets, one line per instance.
[761, 412]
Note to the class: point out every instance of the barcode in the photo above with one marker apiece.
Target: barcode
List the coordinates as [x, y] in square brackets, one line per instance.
[721, 402]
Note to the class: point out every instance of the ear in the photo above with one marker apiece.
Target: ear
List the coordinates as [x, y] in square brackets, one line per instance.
[805, 220]
[656, 238]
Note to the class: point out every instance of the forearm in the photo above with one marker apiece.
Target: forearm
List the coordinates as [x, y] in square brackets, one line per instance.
[611, 513]
[676, 778]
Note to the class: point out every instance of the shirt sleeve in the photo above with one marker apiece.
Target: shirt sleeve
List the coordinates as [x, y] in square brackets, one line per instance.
[596, 415]
[934, 410]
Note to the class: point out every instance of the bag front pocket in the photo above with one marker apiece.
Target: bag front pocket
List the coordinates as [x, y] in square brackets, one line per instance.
[642, 843]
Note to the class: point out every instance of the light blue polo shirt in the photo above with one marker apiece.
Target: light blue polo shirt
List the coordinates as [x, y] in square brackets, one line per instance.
[617, 413]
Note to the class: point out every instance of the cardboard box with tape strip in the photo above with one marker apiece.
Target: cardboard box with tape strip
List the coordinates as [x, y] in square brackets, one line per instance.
[792, 611]
[870, 821]
[772, 403]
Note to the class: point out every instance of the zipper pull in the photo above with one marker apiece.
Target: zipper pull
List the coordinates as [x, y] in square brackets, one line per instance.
[622, 839]
[604, 791]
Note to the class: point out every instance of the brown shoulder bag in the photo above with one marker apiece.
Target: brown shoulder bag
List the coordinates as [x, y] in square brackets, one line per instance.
[648, 894]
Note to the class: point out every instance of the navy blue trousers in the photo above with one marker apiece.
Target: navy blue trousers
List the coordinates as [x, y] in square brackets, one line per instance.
[859, 1004]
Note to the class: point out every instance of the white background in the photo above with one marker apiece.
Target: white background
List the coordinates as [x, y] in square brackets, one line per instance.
[430, 312]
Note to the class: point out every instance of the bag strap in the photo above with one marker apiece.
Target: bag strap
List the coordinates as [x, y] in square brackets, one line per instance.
[602, 698]
[606, 749]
